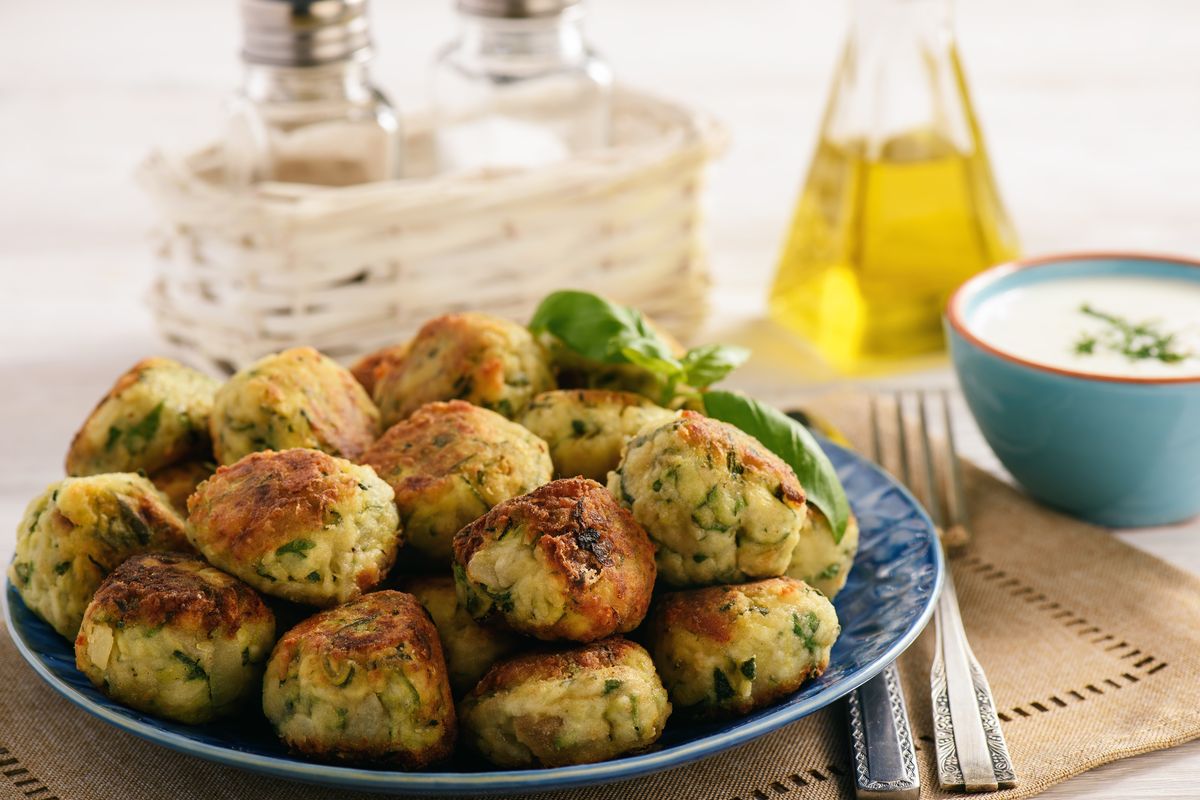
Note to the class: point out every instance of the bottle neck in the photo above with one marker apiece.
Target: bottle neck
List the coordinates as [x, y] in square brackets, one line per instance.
[340, 81]
[884, 23]
[557, 37]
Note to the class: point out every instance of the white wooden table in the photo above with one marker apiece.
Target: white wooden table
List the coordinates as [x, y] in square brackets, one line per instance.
[1091, 107]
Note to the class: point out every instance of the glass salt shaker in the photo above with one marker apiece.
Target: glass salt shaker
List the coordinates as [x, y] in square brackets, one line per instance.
[519, 87]
[307, 111]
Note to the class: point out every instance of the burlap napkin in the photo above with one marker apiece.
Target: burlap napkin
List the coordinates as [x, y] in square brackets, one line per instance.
[1092, 649]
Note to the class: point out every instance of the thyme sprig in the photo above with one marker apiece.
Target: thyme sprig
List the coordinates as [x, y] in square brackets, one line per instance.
[1137, 341]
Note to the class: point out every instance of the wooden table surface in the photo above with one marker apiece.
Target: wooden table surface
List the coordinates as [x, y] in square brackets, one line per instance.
[1091, 109]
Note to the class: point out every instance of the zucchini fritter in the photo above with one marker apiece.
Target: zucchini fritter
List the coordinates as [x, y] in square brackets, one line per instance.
[364, 682]
[470, 648]
[484, 360]
[727, 650]
[448, 464]
[818, 560]
[720, 507]
[169, 635]
[562, 562]
[298, 524]
[296, 398]
[79, 530]
[156, 414]
[586, 429]
[578, 706]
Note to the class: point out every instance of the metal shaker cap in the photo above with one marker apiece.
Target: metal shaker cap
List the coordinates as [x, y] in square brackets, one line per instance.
[514, 9]
[304, 33]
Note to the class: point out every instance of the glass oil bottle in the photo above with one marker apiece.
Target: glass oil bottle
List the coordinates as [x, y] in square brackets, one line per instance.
[900, 205]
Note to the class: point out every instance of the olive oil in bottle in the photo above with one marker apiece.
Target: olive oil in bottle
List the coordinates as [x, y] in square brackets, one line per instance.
[900, 205]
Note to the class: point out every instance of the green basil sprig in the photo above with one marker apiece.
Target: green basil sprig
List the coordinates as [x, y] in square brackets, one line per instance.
[611, 334]
[792, 442]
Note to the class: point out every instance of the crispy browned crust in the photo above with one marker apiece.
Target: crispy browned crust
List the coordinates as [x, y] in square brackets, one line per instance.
[547, 664]
[179, 481]
[346, 420]
[369, 369]
[265, 499]
[374, 631]
[723, 439]
[696, 610]
[374, 624]
[166, 588]
[429, 445]
[167, 525]
[585, 537]
[709, 612]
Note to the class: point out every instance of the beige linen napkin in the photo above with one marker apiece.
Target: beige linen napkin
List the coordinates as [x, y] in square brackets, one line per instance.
[1092, 649]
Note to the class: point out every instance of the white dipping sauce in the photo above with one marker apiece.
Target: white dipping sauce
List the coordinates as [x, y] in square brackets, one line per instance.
[1043, 323]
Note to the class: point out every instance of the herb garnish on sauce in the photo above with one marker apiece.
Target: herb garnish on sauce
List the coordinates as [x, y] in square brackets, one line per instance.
[1141, 341]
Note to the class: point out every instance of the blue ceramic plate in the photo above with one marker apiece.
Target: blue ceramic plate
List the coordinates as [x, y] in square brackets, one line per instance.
[887, 601]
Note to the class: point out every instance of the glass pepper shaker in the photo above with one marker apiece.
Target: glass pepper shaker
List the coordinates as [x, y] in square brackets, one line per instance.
[307, 111]
[900, 205]
[519, 87]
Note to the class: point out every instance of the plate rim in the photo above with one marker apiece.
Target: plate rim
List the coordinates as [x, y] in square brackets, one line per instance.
[527, 780]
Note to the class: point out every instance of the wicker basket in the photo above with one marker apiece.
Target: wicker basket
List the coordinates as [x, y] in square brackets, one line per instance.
[350, 269]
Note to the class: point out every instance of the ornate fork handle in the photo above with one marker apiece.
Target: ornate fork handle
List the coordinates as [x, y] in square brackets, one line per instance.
[971, 752]
[885, 761]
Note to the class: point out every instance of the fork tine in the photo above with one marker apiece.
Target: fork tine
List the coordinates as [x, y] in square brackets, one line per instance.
[876, 437]
[931, 483]
[957, 533]
[902, 441]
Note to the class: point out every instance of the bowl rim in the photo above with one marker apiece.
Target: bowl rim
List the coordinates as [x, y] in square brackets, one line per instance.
[954, 315]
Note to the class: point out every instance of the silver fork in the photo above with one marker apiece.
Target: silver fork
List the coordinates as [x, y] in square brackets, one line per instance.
[971, 752]
[881, 742]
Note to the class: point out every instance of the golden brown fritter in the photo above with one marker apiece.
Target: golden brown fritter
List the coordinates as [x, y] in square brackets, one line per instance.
[296, 398]
[484, 360]
[821, 561]
[169, 635]
[719, 505]
[448, 464]
[587, 429]
[79, 530]
[562, 562]
[370, 368]
[553, 708]
[470, 648]
[156, 414]
[178, 481]
[298, 524]
[364, 682]
[727, 650]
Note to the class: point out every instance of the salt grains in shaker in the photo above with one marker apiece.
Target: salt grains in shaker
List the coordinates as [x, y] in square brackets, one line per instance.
[519, 87]
[307, 111]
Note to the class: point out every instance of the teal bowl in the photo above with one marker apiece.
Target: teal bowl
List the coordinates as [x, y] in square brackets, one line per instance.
[1120, 452]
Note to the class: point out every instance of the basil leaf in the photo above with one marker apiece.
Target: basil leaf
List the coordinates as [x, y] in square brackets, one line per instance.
[611, 334]
[650, 357]
[592, 326]
[707, 364]
[792, 442]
